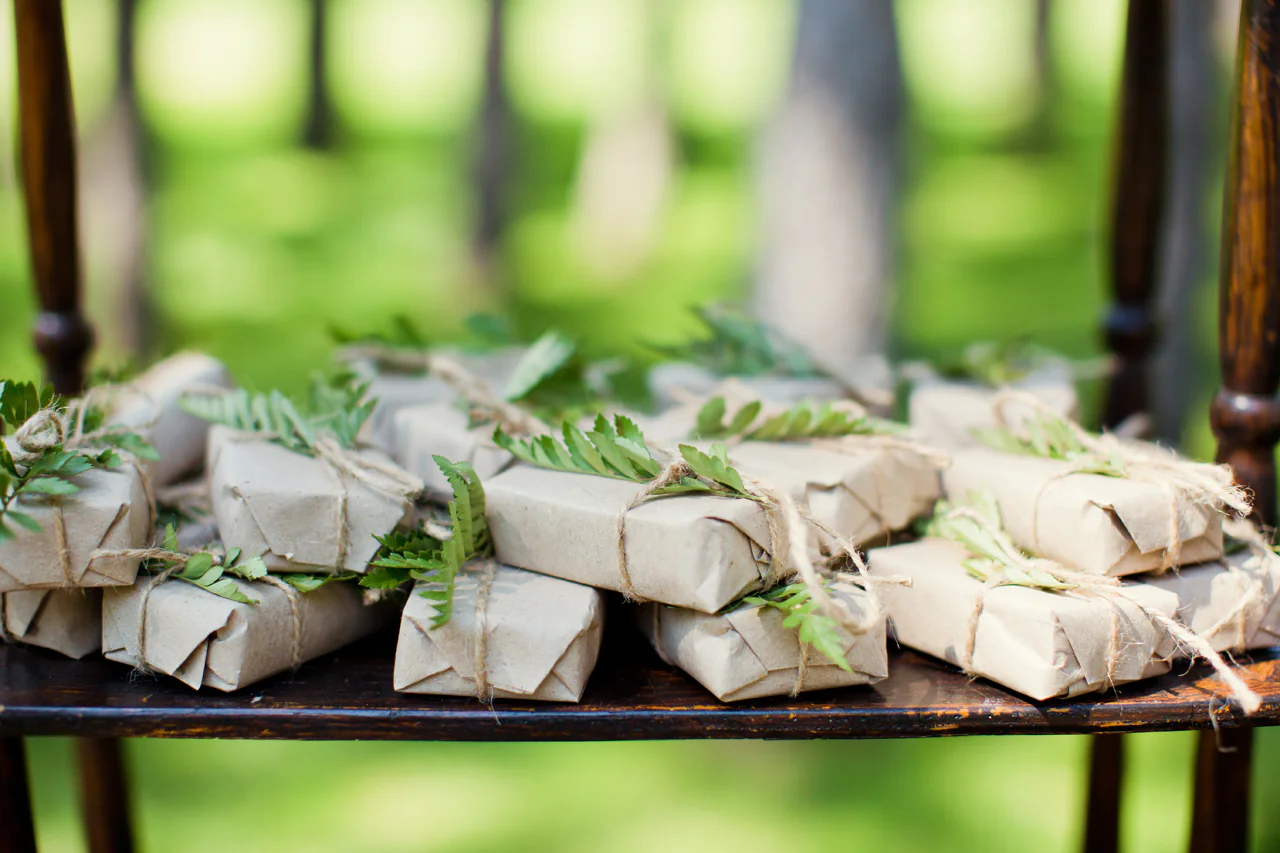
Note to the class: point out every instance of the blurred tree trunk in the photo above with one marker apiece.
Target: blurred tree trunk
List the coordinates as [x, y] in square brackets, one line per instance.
[318, 131]
[1186, 251]
[492, 154]
[828, 179]
[114, 200]
[1041, 128]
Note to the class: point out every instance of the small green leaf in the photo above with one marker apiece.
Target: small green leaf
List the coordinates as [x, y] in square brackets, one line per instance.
[49, 486]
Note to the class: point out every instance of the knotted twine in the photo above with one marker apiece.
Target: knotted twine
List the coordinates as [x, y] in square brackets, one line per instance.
[1202, 483]
[48, 428]
[1088, 587]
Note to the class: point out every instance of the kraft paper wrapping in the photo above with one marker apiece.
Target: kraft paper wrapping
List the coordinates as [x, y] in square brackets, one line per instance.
[442, 429]
[68, 621]
[179, 438]
[290, 508]
[699, 552]
[541, 638]
[202, 639]
[1037, 643]
[946, 412]
[1235, 604]
[1088, 522]
[861, 496]
[677, 382]
[109, 512]
[395, 391]
[746, 653]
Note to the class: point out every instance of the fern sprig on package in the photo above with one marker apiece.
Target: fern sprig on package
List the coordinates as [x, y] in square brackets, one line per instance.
[419, 556]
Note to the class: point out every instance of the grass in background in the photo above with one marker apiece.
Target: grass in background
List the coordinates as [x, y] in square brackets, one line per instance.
[257, 246]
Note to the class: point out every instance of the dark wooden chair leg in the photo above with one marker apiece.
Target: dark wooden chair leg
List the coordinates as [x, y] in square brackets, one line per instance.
[62, 336]
[1246, 414]
[1220, 816]
[1137, 218]
[104, 795]
[17, 829]
[1106, 773]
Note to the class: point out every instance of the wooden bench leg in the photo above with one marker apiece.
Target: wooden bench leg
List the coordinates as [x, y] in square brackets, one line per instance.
[17, 830]
[1220, 820]
[104, 795]
[1106, 773]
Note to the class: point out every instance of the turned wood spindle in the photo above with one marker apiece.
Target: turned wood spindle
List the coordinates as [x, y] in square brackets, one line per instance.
[47, 150]
[1137, 210]
[1245, 413]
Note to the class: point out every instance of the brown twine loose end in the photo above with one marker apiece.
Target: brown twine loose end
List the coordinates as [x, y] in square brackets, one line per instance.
[484, 690]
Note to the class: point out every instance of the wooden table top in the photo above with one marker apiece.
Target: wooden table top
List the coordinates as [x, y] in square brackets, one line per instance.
[632, 696]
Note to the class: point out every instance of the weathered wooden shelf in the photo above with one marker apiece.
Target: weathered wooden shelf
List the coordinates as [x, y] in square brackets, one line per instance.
[632, 696]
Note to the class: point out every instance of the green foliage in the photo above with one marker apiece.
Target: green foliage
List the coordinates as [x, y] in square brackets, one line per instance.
[50, 474]
[995, 556]
[1050, 437]
[617, 449]
[994, 364]
[739, 345]
[556, 384]
[485, 332]
[202, 570]
[801, 422]
[337, 407]
[416, 555]
[19, 401]
[815, 629]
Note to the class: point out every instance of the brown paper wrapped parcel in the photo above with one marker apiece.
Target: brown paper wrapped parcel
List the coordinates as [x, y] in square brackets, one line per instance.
[442, 429]
[396, 391]
[1088, 522]
[110, 512]
[871, 379]
[203, 639]
[861, 494]
[1038, 643]
[62, 620]
[945, 412]
[1235, 604]
[541, 636]
[746, 653]
[698, 551]
[298, 512]
[150, 404]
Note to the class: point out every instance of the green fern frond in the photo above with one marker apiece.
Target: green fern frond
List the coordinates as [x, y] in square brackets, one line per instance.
[801, 422]
[800, 613]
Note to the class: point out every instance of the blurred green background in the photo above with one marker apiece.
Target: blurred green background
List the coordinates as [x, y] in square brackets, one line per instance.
[255, 243]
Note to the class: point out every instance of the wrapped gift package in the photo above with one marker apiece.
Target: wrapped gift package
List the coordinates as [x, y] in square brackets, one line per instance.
[202, 639]
[746, 653]
[862, 494]
[295, 510]
[528, 635]
[68, 621]
[395, 391]
[1234, 604]
[872, 382]
[442, 429]
[1041, 644]
[150, 403]
[1088, 522]
[945, 412]
[700, 552]
[109, 512]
